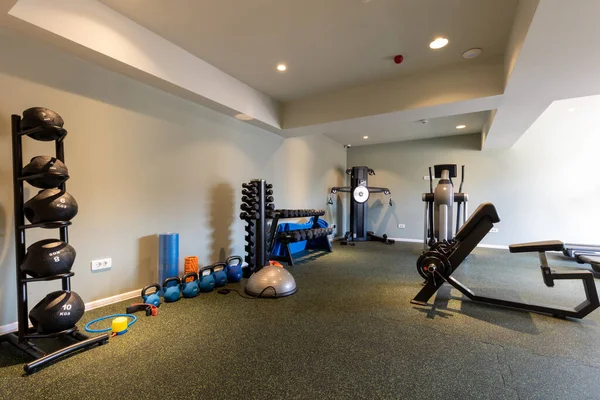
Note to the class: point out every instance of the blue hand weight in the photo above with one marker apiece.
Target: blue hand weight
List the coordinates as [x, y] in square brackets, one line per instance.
[171, 289]
[189, 289]
[220, 273]
[234, 270]
[206, 283]
[152, 298]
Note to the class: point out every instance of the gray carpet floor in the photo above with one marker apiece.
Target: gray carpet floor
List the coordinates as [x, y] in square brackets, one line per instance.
[349, 332]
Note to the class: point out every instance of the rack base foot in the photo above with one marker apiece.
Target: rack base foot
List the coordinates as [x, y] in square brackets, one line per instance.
[42, 358]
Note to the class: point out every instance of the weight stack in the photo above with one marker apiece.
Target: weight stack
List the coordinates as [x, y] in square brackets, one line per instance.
[257, 203]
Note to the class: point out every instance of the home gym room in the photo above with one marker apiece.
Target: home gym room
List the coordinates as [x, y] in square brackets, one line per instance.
[382, 199]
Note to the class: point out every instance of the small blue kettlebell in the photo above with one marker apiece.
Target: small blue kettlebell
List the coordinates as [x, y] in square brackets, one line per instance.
[152, 298]
[189, 289]
[206, 283]
[171, 289]
[234, 269]
[220, 273]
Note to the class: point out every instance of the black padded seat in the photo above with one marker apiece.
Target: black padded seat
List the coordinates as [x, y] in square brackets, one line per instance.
[548, 245]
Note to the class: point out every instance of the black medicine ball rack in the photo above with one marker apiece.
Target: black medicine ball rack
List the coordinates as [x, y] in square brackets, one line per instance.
[316, 236]
[257, 206]
[22, 338]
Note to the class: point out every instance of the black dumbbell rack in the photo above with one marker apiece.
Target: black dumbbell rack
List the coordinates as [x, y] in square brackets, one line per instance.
[257, 206]
[22, 338]
[320, 243]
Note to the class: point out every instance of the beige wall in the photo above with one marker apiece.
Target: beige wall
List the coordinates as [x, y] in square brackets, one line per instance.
[545, 187]
[142, 162]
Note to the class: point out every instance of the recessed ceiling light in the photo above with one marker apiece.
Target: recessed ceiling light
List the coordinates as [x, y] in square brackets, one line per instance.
[472, 53]
[571, 109]
[281, 67]
[244, 117]
[461, 126]
[365, 137]
[438, 43]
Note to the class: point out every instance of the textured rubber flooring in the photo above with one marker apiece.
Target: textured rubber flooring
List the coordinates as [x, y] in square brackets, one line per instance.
[349, 332]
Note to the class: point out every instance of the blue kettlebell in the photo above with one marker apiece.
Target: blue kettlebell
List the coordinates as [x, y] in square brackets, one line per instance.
[206, 283]
[171, 289]
[189, 289]
[234, 270]
[220, 273]
[152, 298]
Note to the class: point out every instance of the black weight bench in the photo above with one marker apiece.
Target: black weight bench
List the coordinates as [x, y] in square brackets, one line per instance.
[591, 259]
[438, 263]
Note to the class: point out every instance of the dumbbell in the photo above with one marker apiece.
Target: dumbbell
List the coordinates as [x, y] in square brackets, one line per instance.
[246, 215]
[250, 185]
[269, 186]
[249, 207]
[249, 199]
[269, 192]
[248, 192]
[269, 199]
[309, 235]
[270, 207]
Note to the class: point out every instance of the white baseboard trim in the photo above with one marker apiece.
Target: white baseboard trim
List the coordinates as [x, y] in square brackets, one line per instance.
[4, 329]
[493, 246]
[407, 240]
[113, 299]
[483, 245]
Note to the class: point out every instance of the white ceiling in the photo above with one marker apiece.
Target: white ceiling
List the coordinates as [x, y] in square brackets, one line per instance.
[537, 51]
[384, 130]
[327, 44]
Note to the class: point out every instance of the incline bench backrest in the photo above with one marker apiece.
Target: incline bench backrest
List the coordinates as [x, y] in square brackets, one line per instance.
[473, 231]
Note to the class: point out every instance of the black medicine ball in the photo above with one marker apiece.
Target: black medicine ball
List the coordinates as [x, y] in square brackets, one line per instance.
[57, 312]
[48, 257]
[50, 205]
[42, 117]
[54, 169]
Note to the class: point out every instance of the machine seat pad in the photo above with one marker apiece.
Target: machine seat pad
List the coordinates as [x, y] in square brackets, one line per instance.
[548, 245]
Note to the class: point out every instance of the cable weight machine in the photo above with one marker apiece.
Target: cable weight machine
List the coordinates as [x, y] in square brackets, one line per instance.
[360, 193]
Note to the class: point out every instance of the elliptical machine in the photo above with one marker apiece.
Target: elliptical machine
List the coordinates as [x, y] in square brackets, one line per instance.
[358, 205]
[439, 205]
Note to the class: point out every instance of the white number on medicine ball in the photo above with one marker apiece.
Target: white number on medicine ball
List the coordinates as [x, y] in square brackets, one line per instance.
[62, 200]
[66, 307]
[56, 259]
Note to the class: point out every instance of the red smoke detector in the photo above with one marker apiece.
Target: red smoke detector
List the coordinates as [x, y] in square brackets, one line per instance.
[398, 59]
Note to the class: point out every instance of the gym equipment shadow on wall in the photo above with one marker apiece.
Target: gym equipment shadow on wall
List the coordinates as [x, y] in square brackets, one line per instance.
[49, 259]
[361, 192]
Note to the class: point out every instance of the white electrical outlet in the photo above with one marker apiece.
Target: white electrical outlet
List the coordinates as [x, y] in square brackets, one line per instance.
[426, 178]
[401, 226]
[103, 263]
[494, 230]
